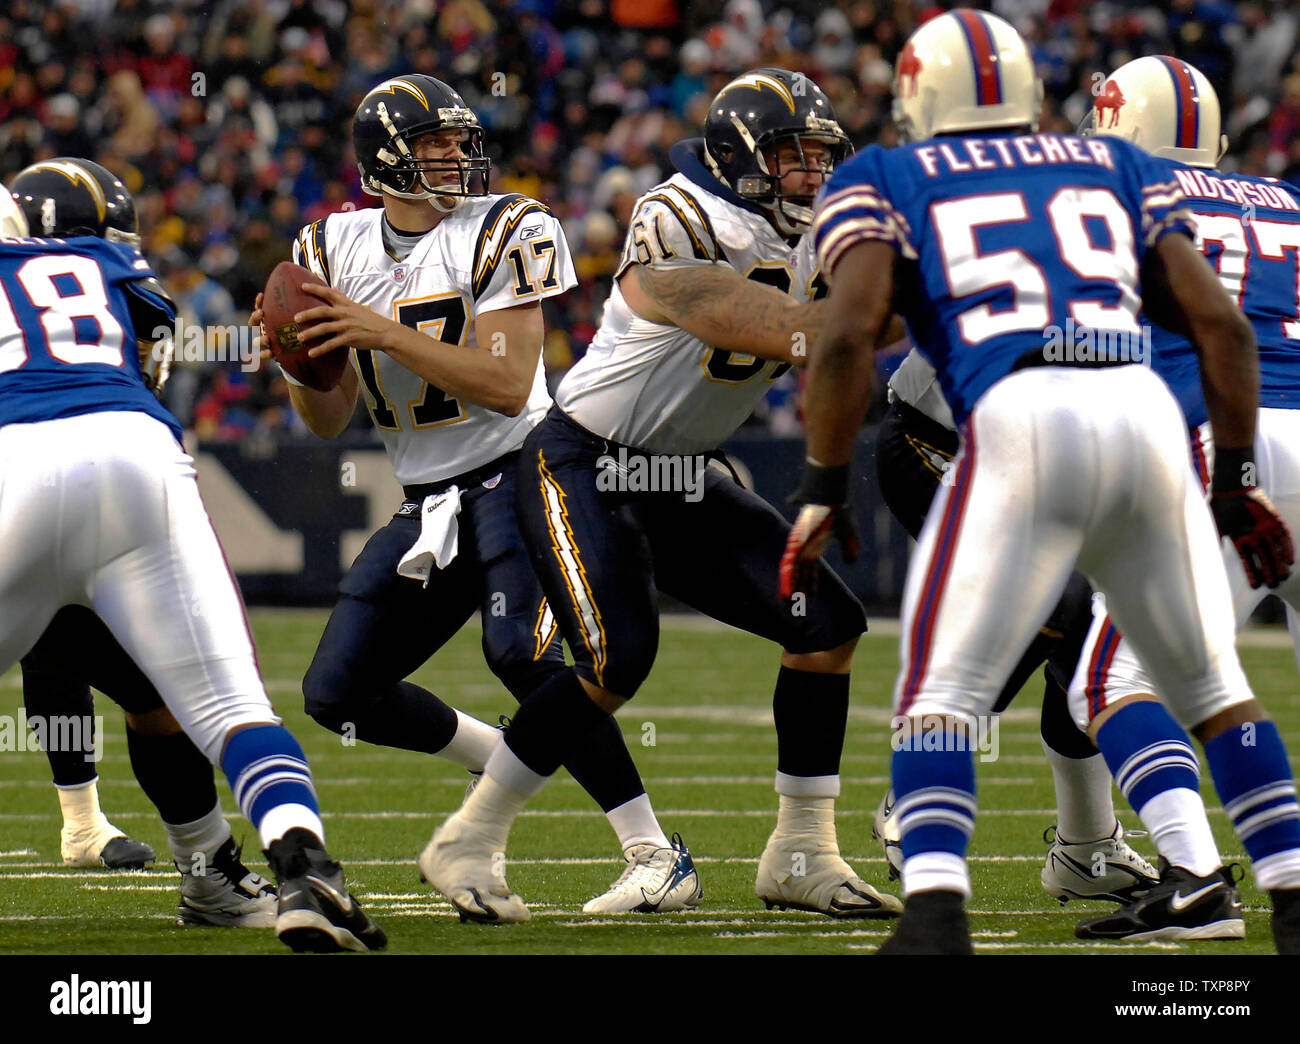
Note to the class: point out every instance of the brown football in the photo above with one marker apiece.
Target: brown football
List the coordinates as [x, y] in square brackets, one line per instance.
[285, 298]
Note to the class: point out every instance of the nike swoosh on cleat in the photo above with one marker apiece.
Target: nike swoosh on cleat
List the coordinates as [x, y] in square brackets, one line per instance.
[341, 899]
[1181, 902]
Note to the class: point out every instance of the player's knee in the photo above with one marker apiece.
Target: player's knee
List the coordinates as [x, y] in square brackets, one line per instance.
[836, 660]
[329, 691]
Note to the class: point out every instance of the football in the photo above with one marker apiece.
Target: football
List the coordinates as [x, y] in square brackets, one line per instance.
[285, 298]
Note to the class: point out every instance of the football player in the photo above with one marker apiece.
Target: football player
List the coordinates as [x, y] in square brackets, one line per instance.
[713, 300]
[1245, 225]
[987, 237]
[101, 510]
[439, 292]
[915, 447]
[75, 197]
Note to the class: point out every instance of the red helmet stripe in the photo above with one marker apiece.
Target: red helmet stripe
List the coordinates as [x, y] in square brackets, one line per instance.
[1189, 113]
[988, 84]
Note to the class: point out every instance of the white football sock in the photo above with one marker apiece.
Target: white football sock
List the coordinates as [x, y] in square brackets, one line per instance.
[635, 824]
[808, 786]
[1180, 830]
[472, 744]
[206, 834]
[929, 871]
[510, 772]
[1085, 807]
[81, 812]
[283, 818]
[806, 815]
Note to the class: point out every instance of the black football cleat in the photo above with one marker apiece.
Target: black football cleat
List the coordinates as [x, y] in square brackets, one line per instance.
[933, 924]
[126, 853]
[1286, 920]
[1181, 908]
[315, 913]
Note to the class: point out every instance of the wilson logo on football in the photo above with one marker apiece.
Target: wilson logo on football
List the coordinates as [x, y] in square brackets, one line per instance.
[288, 336]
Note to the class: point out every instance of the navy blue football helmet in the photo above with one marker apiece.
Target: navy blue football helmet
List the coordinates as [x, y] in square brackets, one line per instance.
[75, 197]
[760, 110]
[397, 112]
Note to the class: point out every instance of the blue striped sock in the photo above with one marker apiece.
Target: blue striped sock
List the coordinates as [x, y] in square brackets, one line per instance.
[1147, 752]
[1253, 777]
[267, 770]
[934, 799]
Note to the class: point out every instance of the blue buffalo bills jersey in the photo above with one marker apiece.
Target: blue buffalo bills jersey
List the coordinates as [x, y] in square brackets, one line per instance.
[1249, 228]
[73, 315]
[1006, 238]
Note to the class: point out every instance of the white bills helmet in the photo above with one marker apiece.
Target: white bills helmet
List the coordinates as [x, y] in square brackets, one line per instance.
[12, 220]
[1163, 105]
[965, 70]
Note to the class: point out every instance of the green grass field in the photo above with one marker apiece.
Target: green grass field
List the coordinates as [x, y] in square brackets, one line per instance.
[709, 772]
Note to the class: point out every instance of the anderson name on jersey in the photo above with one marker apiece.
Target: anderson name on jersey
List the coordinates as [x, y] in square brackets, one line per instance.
[492, 252]
[655, 386]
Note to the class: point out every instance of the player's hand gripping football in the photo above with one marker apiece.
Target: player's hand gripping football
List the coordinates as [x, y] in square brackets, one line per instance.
[343, 323]
[1246, 516]
[825, 515]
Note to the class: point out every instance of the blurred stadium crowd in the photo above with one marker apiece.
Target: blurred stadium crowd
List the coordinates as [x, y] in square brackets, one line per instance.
[230, 121]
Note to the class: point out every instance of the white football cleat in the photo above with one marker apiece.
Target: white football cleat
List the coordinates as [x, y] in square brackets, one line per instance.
[807, 872]
[885, 830]
[104, 846]
[655, 880]
[221, 891]
[1106, 869]
[465, 866]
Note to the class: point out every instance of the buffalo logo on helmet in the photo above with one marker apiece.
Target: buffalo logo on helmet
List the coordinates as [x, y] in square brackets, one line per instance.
[1108, 103]
[909, 67]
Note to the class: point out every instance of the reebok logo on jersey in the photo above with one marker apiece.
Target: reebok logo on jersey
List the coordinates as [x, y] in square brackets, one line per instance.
[530, 232]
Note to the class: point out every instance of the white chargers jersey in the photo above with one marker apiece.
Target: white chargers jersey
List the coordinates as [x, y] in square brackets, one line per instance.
[917, 384]
[492, 252]
[656, 386]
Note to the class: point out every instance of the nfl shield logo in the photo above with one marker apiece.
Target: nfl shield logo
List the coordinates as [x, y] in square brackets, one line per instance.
[399, 272]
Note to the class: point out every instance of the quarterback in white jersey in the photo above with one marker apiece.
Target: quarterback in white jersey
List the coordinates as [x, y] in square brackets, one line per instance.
[687, 347]
[438, 294]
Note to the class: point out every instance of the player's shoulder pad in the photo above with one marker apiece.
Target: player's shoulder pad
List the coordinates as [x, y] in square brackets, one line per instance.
[671, 226]
[854, 206]
[309, 249]
[151, 292]
[513, 216]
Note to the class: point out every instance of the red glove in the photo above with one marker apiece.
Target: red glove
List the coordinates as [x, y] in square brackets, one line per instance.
[1246, 516]
[825, 515]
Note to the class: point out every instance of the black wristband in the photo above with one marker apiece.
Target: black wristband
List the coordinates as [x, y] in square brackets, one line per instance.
[823, 485]
[1234, 470]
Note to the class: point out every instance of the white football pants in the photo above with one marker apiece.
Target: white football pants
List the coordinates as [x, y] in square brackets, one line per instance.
[1065, 468]
[103, 510]
[1109, 669]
